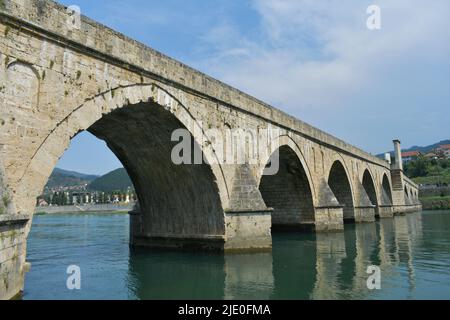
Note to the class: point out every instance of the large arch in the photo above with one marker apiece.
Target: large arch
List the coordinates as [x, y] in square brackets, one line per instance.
[369, 187]
[174, 199]
[137, 123]
[386, 192]
[340, 185]
[289, 192]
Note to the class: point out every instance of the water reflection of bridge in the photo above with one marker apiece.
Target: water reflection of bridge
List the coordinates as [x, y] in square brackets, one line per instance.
[388, 244]
[315, 266]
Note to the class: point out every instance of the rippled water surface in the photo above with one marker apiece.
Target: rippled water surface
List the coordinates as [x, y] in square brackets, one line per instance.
[412, 251]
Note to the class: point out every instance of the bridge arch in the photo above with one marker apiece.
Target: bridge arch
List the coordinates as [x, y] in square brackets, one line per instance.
[340, 184]
[386, 191]
[275, 144]
[289, 192]
[137, 122]
[369, 186]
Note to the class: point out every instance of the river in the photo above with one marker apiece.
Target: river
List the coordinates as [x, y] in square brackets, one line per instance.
[412, 252]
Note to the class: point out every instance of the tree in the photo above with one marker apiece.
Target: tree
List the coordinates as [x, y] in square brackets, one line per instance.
[62, 199]
[435, 170]
[55, 198]
[444, 163]
[418, 167]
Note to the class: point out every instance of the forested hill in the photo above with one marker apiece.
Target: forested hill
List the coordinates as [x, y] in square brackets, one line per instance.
[114, 181]
[117, 180]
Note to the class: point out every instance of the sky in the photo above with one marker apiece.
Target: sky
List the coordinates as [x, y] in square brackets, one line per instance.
[315, 60]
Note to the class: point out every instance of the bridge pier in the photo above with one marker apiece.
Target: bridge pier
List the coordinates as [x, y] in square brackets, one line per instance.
[248, 231]
[329, 218]
[404, 209]
[329, 215]
[365, 209]
[385, 211]
[245, 231]
[365, 214]
[13, 230]
[140, 238]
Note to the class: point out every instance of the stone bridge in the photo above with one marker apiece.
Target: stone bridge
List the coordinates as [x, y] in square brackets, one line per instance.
[59, 76]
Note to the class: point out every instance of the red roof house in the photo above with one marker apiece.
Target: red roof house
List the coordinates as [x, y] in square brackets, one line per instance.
[409, 154]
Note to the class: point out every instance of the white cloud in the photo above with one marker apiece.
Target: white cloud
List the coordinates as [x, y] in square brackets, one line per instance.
[315, 56]
[349, 55]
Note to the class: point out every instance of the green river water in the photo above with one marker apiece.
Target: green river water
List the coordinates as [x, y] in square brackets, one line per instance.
[412, 252]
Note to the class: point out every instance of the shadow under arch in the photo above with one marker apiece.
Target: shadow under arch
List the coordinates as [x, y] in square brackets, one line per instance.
[386, 191]
[407, 197]
[339, 182]
[289, 193]
[286, 140]
[369, 187]
[174, 199]
[136, 122]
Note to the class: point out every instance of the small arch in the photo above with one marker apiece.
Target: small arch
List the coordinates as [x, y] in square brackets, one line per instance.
[386, 193]
[25, 64]
[22, 84]
[369, 187]
[340, 185]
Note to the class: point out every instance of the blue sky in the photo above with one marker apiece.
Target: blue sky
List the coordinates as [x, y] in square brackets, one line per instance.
[313, 59]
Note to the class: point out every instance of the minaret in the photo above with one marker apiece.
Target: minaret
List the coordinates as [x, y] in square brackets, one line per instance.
[398, 155]
[398, 196]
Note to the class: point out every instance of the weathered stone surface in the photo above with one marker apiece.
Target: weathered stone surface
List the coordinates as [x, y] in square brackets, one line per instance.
[248, 231]
[56, 80]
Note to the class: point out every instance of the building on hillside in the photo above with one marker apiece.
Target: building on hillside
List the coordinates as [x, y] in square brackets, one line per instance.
[444, 150]
[432, 156]
[410, 155]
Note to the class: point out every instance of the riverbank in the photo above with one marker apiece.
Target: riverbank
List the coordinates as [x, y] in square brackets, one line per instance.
[86, 208]
[435, 203]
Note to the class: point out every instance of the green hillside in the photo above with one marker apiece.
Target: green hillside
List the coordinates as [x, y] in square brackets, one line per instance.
[113, 181]
[426, 171]
[64, 178]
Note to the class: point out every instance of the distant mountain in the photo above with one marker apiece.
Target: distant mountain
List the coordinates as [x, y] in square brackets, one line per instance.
[115, 180]
[425, 149]
[428, 148]
[64, 178]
